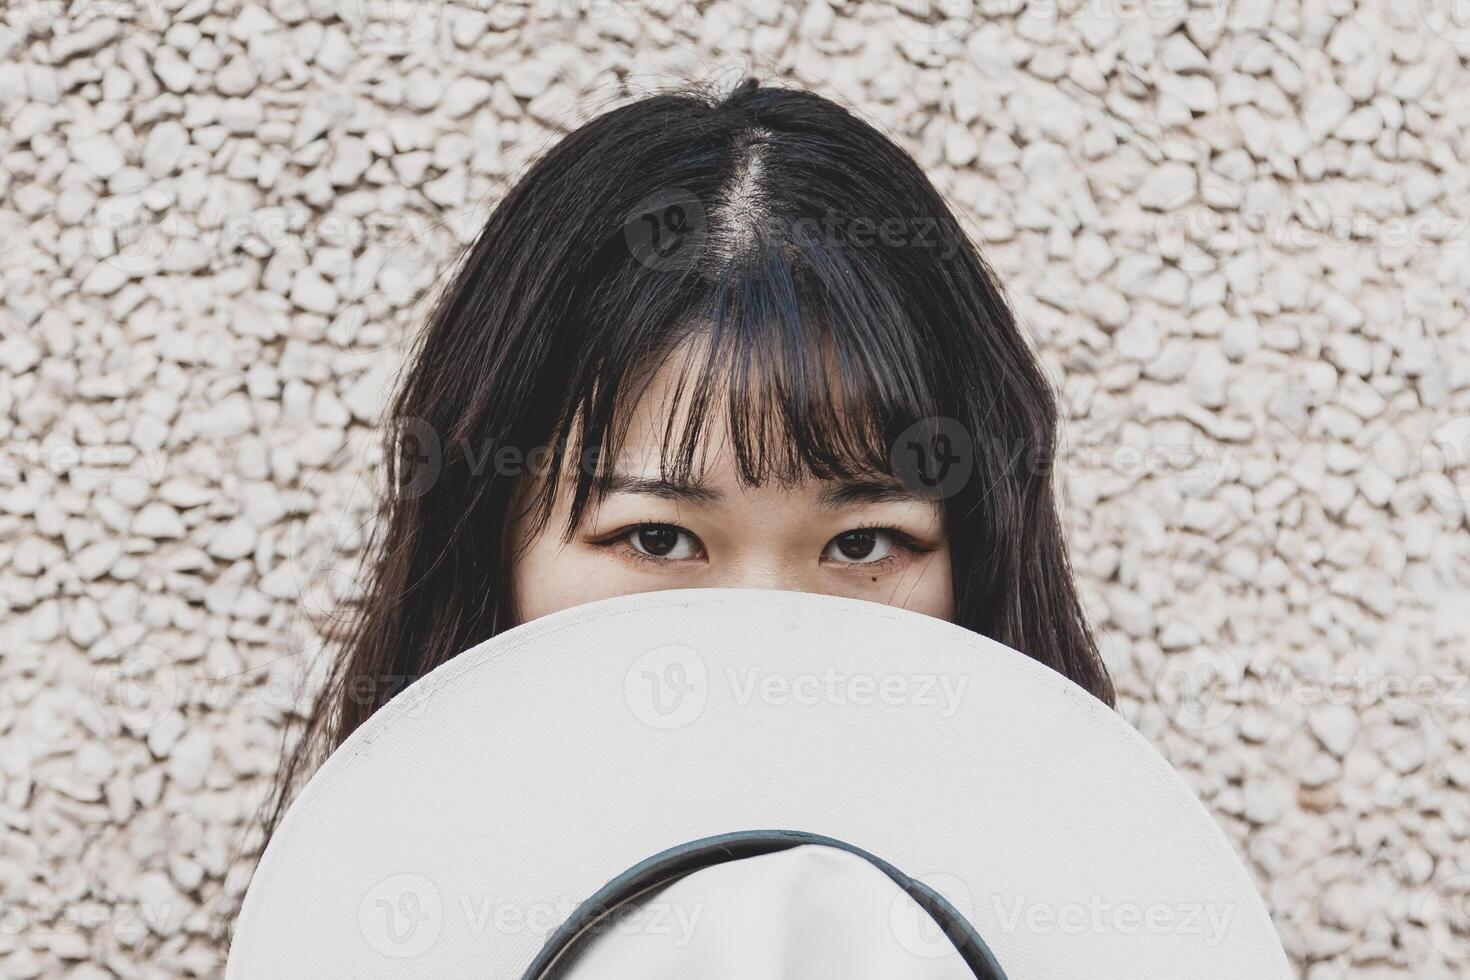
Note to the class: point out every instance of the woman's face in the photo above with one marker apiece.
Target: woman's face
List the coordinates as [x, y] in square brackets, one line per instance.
[869, 539]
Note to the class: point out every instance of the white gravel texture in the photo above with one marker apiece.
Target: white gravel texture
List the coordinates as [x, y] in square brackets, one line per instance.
[1240, 234]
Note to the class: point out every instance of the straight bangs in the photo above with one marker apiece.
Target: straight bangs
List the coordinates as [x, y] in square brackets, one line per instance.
[806, 353]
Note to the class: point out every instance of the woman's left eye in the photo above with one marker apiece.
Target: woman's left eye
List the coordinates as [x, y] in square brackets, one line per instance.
[861, 547]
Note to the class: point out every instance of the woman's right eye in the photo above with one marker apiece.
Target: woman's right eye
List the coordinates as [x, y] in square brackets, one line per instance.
[665, 541]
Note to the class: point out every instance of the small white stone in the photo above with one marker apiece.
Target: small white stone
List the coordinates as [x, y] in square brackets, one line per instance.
[233, 540]
[165, 734]
[327, 410]
[412, 167]
[1037, 25]
[1169, 185]
[85, 626]
[231, 416]
[97, 558]
[1247, 15]
[1336, 727]
[960, 145]
[1209, 377]
[1406, 753]
[1457, 771]
[1361, 126]
[1351, 353]
[104, 279]
[189, 761]
[167, 906]
[1092, 255]
[69, 945]
[1265, 800]
[19, 353]
[23, 964]
[311, 292]
[1325, 109]
[237, 77]
[1132, 614]
[184, 493]
[45, 624]
[1418, 866]
[159, 521]
[1196, 92]
[336, 52]
[1139, 340]
[449, 190]
[365, 399]
[350, 160]
[172, 69]
[529, 77]
[1346, 906]
[99, 155]
[1180, 55]
[422, 89]
[84, 39]
[164, 148]
[1240, 337]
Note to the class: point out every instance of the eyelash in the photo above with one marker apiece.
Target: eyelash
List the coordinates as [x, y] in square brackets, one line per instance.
[619, 539]
[900, 539]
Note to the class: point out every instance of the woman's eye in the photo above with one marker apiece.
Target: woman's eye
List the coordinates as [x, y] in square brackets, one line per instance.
[663, 541]
[860, 547]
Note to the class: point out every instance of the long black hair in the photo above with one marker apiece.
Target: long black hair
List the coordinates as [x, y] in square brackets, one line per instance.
[796, 238]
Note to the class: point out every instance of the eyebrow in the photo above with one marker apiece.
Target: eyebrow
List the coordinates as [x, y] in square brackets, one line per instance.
[843, 493]
[690, 492]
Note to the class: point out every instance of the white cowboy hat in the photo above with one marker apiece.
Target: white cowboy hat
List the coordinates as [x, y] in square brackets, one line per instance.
[748, 783]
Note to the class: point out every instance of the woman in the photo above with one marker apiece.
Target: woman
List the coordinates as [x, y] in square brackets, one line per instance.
[713, 341]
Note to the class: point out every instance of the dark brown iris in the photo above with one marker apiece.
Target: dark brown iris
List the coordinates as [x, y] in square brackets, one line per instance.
[658, 539]
[857, 545]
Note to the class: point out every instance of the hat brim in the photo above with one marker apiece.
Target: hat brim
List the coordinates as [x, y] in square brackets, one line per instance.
[454, 831]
